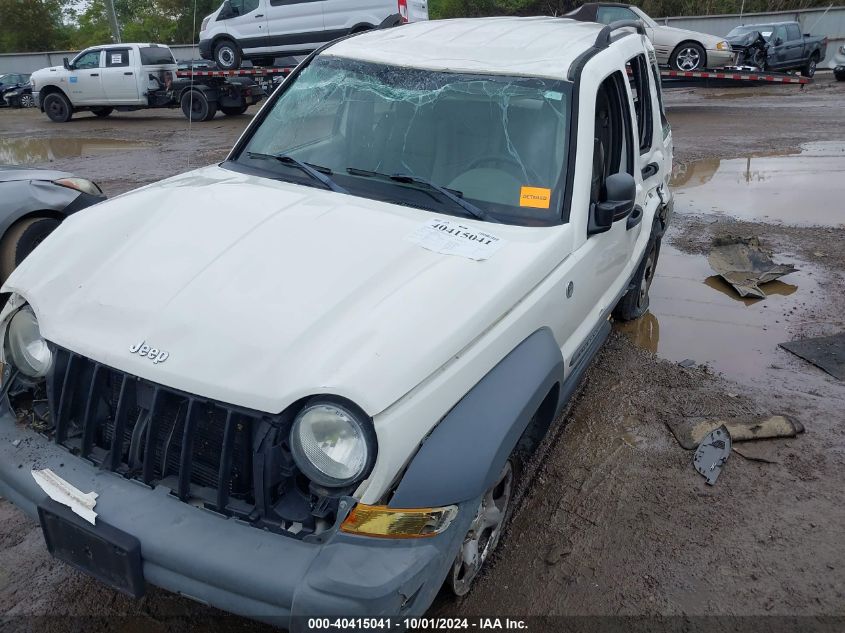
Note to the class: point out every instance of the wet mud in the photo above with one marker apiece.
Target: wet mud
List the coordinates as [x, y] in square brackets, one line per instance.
[615, 521]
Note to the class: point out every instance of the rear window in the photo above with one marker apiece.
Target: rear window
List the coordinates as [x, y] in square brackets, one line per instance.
[155, 55]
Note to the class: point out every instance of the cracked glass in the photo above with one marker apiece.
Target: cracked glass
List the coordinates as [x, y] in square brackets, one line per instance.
[498, 143]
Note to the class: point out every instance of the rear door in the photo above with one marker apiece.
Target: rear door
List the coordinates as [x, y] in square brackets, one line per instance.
[118, 76]
[417, 10]
[297, 25]
[84, 81]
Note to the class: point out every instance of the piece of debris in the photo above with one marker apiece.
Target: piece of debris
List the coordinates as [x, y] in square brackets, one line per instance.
[65, 493]
[16, 443]
[744, 265]
[691, 431]
[687, 363]
[712, 454]
[825, 352]
[760, 452]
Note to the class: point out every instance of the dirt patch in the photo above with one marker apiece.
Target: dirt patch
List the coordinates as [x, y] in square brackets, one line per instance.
[615, 521]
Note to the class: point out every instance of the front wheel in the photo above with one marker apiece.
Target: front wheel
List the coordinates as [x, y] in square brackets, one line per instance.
[688, 56]
[810, 68]
[57, 107]
[21, 239]
[227, 55]
[27, 101]
[485, 531]
[634, 303]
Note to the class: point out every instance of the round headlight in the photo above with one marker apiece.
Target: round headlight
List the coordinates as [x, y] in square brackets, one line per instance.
[27, 350]
[330, 445]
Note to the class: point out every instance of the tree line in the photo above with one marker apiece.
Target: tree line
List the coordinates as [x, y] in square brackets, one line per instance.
[40, 25]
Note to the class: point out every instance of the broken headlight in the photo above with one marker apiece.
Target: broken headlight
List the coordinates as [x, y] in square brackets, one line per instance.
[331, 445]
[25, 348]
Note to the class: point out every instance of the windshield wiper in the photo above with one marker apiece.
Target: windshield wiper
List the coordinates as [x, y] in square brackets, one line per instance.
[455, 197]
[314, 171]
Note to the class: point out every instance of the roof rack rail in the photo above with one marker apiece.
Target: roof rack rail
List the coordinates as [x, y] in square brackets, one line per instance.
[603, 39]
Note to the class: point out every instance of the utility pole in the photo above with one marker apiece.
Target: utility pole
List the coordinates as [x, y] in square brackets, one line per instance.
[115, 27]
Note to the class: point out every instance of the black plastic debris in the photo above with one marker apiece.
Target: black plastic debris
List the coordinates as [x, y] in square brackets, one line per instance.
[825, 352]
[712, 454]
[744, 265]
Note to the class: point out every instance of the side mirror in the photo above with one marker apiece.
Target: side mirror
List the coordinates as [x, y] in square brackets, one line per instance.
[618, 199]
[66, 63]
[778, 42]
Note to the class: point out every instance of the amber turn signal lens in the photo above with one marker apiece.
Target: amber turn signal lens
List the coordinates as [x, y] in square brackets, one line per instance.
[384, 522]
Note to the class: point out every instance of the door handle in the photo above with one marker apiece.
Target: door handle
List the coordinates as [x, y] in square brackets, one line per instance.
[94, 75]
[260, 15]
[129, 73]
[635, 218]
[650, 170]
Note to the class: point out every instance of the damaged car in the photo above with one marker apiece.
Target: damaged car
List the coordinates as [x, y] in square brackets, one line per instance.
[307, 381]
[780, 46]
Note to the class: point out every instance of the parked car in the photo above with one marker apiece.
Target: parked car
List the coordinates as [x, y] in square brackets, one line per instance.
[33, 202]
[261, 30]
[677, 48]
[20, 97]
[11, 82]
[406, 264]
[126, 77]
[778, 46]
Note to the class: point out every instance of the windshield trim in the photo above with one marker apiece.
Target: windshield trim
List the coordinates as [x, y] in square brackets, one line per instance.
[562, 213]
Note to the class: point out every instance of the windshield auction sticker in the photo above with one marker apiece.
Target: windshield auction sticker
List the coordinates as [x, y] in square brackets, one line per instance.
[453, 238]
[535, 197]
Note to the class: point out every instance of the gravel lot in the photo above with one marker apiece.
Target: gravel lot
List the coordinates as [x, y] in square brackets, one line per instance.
[615, 521]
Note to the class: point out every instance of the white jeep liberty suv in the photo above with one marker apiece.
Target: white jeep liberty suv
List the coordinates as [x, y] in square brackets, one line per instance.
[303, 381]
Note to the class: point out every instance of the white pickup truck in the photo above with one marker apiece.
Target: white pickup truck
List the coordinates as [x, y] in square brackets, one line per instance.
[102, 79]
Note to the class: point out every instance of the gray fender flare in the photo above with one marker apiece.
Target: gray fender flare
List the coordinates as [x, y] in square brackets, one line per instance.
[464, 454]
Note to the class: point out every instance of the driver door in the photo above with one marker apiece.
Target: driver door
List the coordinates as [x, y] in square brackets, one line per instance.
[85, 84]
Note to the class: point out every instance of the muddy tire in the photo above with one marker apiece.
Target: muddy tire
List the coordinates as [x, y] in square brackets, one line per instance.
[21, 239]
[102, 113]
[58, 107]
[688, 56]
[233, 111]
[227, 55]
[634, 303]
[810, 68]
[485, 532]
[840, 75]
[196, 106]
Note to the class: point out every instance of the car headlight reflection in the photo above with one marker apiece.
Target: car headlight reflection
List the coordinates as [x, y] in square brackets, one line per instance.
[723, 46]
[80, 184]
[25, 347]
[330, 445]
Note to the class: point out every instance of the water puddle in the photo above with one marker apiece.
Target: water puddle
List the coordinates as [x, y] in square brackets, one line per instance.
[790, 189]
[24, 151]
[695, 315]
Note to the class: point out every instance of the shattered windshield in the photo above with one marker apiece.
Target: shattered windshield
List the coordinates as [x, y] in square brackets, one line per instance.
[765, 30]
[486, 146]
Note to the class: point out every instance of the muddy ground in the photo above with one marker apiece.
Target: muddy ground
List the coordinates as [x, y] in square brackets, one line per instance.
[615, 521]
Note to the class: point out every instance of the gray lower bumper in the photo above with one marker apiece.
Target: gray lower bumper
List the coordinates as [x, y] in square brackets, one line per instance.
[230, 565]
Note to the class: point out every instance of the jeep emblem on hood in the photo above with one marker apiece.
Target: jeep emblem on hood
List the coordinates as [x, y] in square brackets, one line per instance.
[154, 354]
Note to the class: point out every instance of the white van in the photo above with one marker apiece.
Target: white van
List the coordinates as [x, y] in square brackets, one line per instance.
[261, 30]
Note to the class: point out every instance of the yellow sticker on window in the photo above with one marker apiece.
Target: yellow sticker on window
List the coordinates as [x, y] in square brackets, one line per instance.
[535, 197]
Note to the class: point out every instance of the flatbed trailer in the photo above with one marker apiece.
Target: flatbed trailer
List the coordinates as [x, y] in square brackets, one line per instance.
[731, 76]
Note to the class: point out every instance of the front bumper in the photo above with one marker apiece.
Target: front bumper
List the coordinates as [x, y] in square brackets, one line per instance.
[720, 59]
[205, 49]
[231, 565]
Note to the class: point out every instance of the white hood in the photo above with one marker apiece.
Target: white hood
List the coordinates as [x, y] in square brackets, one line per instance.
[263, 292]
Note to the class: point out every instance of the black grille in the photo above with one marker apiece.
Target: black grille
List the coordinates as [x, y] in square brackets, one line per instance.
[201, 449]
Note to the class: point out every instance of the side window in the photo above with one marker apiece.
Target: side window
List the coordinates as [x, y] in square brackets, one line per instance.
[792, 32]
[613, 141]
[606, 15]
[779, 35]
[638, 73]
[242, 7]
[91, 59]
[664, 121]
[117, 58]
